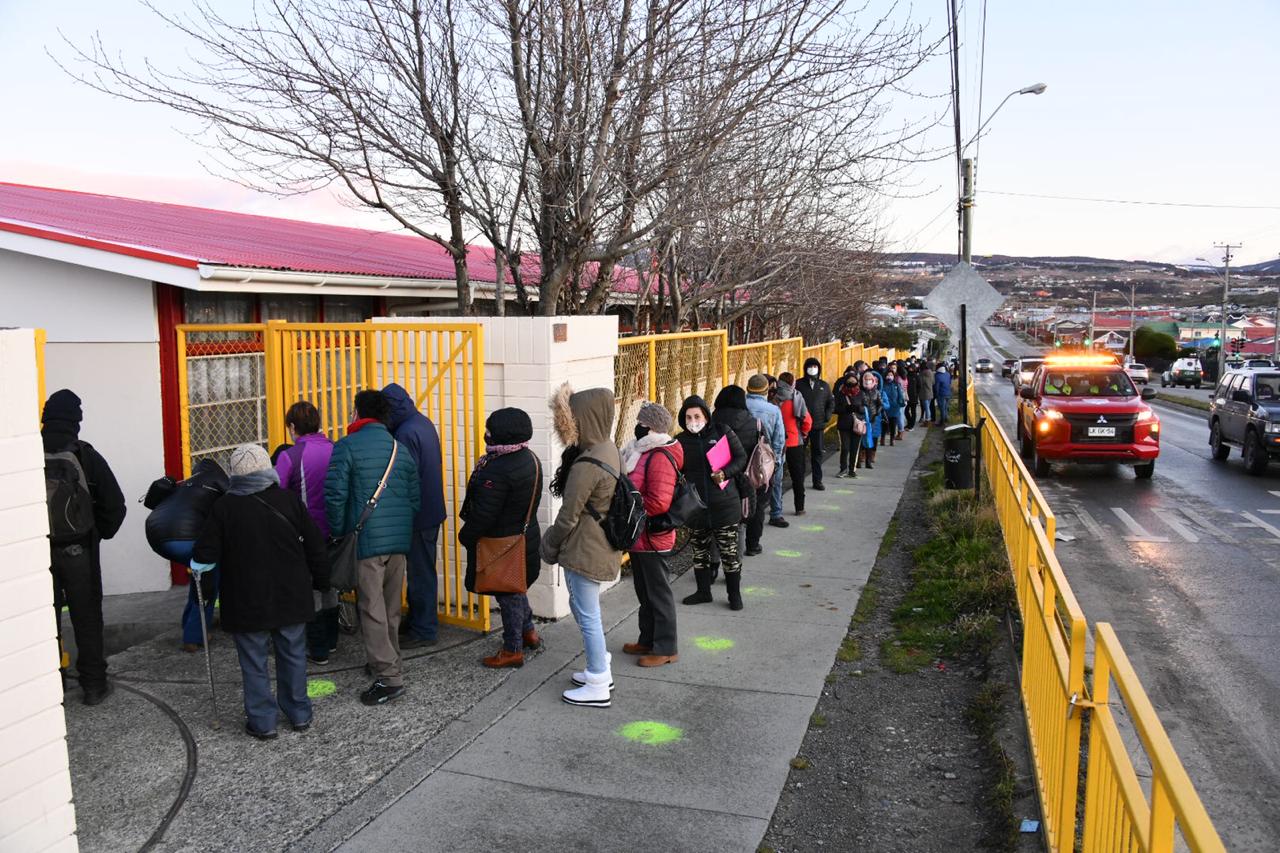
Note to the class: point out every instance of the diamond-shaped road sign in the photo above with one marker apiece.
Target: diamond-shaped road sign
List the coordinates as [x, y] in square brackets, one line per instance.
[963, 286]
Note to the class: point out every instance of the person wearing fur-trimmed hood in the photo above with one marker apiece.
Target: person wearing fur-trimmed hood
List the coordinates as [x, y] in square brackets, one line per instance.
[583, 422]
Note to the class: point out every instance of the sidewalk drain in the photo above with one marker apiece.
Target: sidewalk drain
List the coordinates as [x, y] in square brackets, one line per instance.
[651, 733]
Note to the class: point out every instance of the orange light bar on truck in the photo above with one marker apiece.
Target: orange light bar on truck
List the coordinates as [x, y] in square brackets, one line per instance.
[1081, 361]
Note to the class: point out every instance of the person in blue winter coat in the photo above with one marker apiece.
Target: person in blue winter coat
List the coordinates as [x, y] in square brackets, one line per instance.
[360, 461]
[942, 394]
[868, 407]
[894, 404]
[418, 434]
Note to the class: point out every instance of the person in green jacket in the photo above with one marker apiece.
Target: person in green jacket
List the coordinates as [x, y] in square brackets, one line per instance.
[360, 462]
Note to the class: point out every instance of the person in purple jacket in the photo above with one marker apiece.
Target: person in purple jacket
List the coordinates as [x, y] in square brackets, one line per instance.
[302, 469]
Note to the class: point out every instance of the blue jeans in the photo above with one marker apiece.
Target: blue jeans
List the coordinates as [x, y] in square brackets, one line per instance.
[191, 613]
[584, 601]
[775, 492]
[291, 676]
[926, 410]
[423, 621]
[944, 407]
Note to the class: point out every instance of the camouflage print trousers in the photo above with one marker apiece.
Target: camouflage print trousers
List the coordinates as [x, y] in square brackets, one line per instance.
[726, 539]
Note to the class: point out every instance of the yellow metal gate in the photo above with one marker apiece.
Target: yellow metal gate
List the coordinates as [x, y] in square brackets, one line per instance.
[235, 383]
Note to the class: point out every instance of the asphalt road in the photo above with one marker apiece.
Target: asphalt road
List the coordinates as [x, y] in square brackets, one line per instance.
[1186, 568]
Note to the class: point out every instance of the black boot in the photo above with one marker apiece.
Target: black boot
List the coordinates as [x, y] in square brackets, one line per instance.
[733, 581]
[703, 595]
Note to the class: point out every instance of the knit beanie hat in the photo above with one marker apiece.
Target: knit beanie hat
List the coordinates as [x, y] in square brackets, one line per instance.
[248, 458]
[758, 384]
[509, 426]
[64, 407]
[654, 416]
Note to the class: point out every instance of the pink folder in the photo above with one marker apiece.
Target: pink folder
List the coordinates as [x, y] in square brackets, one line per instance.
[719, 457]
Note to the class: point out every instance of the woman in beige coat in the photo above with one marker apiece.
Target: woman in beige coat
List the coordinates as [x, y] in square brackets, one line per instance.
[586, 479]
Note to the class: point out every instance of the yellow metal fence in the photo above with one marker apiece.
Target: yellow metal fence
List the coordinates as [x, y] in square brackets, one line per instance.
[1118, 813]
[41, 338]
[236, 381]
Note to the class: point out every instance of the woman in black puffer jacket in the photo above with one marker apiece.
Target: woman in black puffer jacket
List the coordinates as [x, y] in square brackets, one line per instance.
[731, 413]
[719, 522]
[503, 493]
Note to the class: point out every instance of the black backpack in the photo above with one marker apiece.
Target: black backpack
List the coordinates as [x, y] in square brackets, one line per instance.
[67, 496]
[625, 520]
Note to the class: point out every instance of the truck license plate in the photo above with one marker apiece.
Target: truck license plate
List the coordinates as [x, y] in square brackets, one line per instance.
[1102, 432]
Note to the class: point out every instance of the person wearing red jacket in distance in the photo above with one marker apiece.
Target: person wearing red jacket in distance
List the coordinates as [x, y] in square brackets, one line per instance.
[652, 461]
[797, 422]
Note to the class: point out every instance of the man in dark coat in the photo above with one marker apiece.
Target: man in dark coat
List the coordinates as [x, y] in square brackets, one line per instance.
[417, 433]
[821, 404]
[271, 556]
[77, 566]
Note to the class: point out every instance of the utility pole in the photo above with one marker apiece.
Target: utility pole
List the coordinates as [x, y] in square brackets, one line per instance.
[966, 255]
[1133, 310]
[1093, 311]
[1226, 290]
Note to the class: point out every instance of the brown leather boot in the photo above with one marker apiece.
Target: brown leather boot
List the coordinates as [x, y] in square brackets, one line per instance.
[532, 640]
[637, 649]
[657, 660]
[504, 659]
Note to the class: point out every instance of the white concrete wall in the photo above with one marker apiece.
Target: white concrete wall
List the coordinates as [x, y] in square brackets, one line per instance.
[36, 812]
[103, 345]
[523, 366]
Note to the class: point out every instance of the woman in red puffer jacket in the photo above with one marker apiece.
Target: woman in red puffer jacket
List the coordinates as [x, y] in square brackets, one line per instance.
[653, 461]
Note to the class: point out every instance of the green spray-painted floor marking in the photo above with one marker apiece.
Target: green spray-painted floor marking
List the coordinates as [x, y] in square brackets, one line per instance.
[829, 508]
[812, 528]
[791, 555]
[758, 590]
[842, 491]
[318, 688]
[713, 644]
[651, 732]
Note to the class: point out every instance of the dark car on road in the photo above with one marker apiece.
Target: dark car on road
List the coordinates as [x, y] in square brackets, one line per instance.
[1087, 409]
[1006, 367]
[1245, 413]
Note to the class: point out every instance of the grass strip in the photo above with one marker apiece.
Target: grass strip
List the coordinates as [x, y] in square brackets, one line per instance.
[985, 715]
[1178, 399]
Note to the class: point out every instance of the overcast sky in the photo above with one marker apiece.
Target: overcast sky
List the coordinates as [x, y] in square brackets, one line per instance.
[1170, 101]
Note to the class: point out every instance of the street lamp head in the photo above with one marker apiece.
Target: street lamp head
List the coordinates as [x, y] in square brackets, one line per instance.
[1035, 89]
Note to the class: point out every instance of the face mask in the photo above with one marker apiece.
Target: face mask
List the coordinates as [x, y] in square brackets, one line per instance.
[694, 427]
[641, 431]
[870, 386]
[812, 371]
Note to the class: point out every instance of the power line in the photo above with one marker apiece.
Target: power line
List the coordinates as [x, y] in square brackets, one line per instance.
[1136, 201]
[982, 76]
[953, 19]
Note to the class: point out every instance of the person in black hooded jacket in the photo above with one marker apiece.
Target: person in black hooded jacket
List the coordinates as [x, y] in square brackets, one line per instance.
[731, 413]
[719, 521]
[77, 566]
[502, 500]
[821, 404]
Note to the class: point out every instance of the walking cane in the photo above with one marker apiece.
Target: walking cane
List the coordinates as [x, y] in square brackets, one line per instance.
[208, 658]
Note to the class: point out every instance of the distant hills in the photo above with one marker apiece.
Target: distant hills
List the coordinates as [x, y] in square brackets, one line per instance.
[1271, 267]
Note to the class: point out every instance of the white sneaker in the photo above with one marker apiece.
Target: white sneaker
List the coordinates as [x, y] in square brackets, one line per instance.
[595, 693]
[580, 678]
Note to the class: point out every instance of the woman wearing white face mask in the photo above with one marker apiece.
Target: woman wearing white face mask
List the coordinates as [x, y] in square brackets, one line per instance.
[724, 506]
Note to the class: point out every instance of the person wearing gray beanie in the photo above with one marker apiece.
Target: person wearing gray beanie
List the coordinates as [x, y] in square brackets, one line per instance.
[270, 556]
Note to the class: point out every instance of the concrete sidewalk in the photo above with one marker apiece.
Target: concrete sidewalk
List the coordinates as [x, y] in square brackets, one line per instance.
[691, 756]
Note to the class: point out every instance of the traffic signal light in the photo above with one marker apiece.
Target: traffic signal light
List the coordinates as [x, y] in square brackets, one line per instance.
[1088, 342]
[1057, 343]
[1217, 342]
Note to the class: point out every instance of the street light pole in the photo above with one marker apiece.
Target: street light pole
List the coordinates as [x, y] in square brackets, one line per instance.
[1133, 310]
[1226, 290]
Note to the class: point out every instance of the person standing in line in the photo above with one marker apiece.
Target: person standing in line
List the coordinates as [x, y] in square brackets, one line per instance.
[913, 394]
[503, 494]
[775, 491]
[924, 390]
[418, 435]
[366, 461]
[896, 401]
[797, 422]
[653, 460]
[301, 469]
[942, 394]
[847, 393]
[770, 418]
[271, 557]
[719, 522]
[820, 402]
[590, 468]
[869, 407]
[75, 472]
[731, 413]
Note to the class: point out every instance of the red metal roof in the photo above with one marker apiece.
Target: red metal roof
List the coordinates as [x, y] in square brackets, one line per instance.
[185, 236]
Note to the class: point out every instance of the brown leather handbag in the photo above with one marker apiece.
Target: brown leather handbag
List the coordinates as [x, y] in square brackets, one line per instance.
[500, 566]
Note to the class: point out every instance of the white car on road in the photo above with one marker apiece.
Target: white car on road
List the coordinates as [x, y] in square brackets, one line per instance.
[1138, 373]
